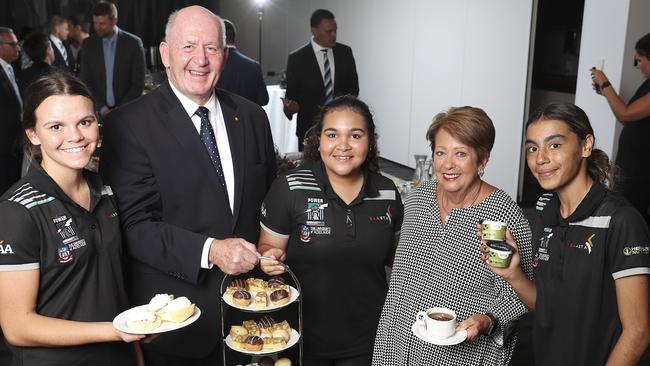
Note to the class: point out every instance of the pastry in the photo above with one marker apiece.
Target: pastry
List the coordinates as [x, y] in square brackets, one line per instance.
[256, 285]
[141, 320]
[283, 325]
[238, 341]
[238, 330]
[275, 281]
[265, 361]
[159, 301]
[228, 294]
[239, 284]
[253, 343]
[241, 298]
[283, 362]
[251, 327]
[279, 297]
[177, 310]
[281, 333]
[271, 343]
[266, 324]
[261, 300]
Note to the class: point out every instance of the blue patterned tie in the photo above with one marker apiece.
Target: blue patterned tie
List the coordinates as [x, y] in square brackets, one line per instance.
[207, 136]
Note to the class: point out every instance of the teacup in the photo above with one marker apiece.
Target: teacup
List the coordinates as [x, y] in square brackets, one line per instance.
[493, 230]
[438, 322]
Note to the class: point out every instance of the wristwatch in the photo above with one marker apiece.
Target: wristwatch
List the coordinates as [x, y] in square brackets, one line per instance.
[495, 323]
[605, 85]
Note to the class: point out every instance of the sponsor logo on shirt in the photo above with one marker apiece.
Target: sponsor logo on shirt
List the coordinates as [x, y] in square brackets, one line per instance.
[542, 251]
[5, 248]
[305, 233]
[628, 251]
[388, 216]
[586, 246]
[63, 226]
[315, 209]
[65, 255]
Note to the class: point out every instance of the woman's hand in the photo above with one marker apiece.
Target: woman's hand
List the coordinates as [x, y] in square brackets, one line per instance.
[273, 266]
[598, 77]
[475, 325]
[128, 337]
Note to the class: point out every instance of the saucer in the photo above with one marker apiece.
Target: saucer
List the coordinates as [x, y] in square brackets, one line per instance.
[419, 331]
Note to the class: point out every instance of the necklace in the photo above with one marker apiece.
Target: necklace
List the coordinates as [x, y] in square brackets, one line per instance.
[445, 212]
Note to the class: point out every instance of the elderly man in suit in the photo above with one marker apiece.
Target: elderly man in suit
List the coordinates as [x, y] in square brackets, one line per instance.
[112, 61]
[59, 31]
[189, 165]
[242, 75]
[10, 107]
[317, 72]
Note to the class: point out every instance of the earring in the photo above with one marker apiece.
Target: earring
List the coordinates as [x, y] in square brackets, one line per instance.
[480, 172]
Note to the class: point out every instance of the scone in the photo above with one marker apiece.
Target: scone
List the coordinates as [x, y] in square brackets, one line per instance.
[177, 310]
[142, 320]
[159, 301]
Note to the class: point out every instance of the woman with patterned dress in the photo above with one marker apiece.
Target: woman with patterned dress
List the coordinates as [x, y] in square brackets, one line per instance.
[591, 250]
[437, 263]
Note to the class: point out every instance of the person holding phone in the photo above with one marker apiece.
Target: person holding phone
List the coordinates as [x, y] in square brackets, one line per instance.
[632, 154]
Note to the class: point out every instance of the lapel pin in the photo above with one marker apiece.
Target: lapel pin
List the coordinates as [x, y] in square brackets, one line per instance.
[236, 118]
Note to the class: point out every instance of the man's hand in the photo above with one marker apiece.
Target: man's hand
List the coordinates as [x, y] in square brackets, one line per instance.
[290, 107]
[233, 256]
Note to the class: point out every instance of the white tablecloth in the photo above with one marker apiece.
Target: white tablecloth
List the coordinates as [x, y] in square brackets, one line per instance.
[283, 130]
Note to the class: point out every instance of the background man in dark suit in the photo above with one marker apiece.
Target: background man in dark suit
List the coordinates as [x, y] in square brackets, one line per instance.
[10, 108]
[242, 75]
[112, 61]
[190, 166]
[59, 31]
[309, 85]
[39, 49]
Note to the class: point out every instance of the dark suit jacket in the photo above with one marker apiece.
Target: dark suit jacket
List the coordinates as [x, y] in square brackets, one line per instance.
[305, 81]
[170, 201]
[10, 134]
[59, 62]
[243, 76]
[128, 70]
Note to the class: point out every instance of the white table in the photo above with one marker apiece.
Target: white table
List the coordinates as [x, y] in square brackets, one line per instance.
[282, 129]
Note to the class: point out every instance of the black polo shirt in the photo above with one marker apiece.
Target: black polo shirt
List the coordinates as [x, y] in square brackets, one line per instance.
[79, 258]
[338, 252]
[576, 262]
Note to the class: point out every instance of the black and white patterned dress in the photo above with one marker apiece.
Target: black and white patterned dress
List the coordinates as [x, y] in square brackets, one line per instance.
[438, 265]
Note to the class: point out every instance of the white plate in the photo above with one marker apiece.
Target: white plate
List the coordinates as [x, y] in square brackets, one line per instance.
[419, 331]
[295, 336]
[270, 307]
[120, 322]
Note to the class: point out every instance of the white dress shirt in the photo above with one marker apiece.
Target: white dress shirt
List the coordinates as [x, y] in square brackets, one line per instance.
[221, 135]
[321, 62]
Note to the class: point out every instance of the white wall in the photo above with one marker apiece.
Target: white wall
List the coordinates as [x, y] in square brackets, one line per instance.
[414, 59]
[609, 31]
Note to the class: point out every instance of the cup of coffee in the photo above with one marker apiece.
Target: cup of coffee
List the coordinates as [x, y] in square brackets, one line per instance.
[493, 230]
[438, 322]
[499, 254]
